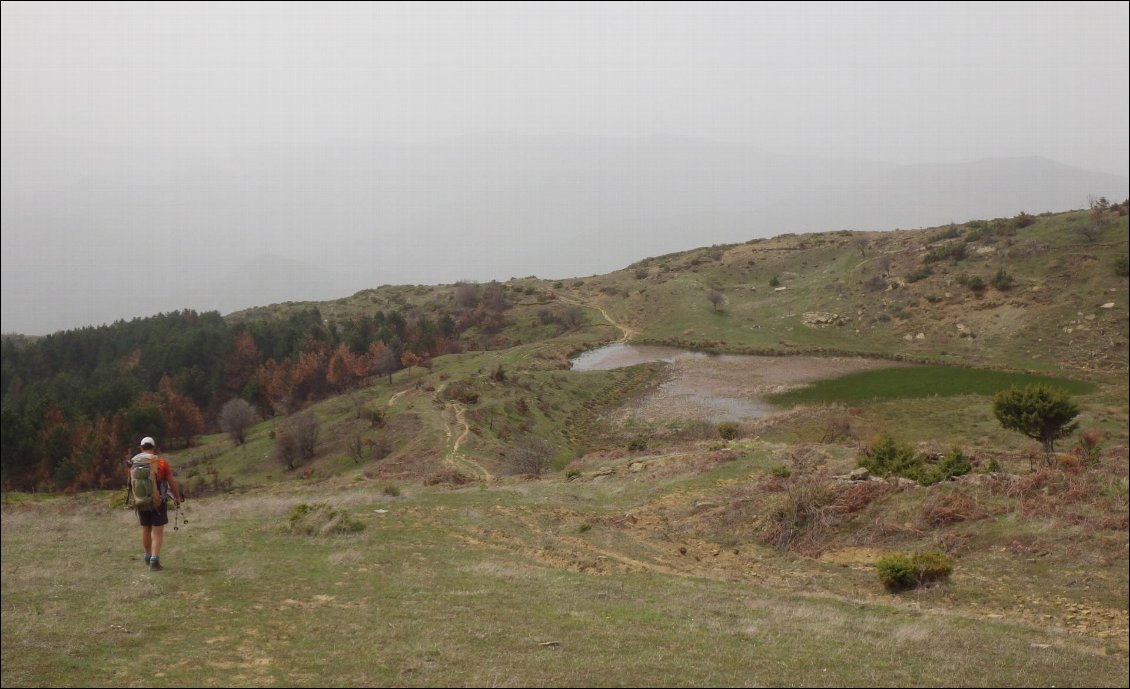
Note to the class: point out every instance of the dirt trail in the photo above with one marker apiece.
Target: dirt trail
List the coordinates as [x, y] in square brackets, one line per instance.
[627, 332]
[455, 415]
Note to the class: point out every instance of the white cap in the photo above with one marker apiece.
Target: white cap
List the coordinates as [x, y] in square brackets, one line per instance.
[148, 441]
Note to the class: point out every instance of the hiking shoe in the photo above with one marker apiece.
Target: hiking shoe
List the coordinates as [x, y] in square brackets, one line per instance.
[155, 566]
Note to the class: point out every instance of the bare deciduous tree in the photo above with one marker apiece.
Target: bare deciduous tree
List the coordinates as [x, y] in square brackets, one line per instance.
[235, 418]
[716, 298]
[531, 455]
[297, 438]
[467, 295]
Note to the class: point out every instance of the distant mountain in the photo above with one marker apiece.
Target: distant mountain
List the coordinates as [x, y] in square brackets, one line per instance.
[80, 222]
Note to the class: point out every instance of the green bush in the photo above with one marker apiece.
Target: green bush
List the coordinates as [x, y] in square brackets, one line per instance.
[896, 572]
[974, 282]
[951, 252]
[953, 464]
[728, 430]
[902, 571]
[1002, 281]
[781, 471]
[888, 457]
[1122, 266]
[637, 444]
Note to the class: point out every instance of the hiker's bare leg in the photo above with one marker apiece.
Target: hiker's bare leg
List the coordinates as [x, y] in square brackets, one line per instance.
[147, 538]
[158, 537]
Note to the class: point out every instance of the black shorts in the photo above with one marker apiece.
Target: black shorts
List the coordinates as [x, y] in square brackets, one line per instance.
[157, 517]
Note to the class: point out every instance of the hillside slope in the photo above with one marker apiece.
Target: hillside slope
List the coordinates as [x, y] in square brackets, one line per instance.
[497, 518]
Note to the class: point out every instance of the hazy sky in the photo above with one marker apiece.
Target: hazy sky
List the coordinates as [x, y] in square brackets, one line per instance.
[925, 82]
[885, 82]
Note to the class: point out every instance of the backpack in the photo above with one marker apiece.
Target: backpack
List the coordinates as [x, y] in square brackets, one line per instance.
[143, 485]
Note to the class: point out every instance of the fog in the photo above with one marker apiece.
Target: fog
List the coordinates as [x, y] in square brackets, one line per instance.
[219, 156]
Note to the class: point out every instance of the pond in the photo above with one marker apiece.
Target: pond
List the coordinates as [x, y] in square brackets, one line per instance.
[716, 388]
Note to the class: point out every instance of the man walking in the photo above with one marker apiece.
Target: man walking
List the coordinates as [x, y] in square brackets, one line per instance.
[153, 518]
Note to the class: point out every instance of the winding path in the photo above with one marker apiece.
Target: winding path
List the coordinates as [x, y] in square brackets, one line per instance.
[456, 459]
[627, 332]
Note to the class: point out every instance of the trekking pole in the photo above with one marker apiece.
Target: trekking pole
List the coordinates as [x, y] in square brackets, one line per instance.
[177, 519]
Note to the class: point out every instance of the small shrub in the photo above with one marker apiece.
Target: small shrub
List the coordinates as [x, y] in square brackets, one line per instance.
[950, 252]
[1089, 450]
[802, 514]
[902, 571]
[448, 476]
[390, 489]
[1122, 266]
[461, 391]
[888, 457]
[1002, 281]
[838, 428]
[637, 444]
[376, 418]
[975, 283]
[1022, 220]
[896, 572]
[953, 464]
[781, 471]
[951, 232]
[728, 430]
[321, 520]
[919, 274]
[775, 281]
[977, 233]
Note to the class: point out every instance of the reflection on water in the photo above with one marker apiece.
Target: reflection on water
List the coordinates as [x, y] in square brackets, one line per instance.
[725, 387]
[693, 390]
[621, 355]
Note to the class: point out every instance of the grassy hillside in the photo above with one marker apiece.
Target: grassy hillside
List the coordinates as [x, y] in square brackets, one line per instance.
[866, 293]
[499, 519]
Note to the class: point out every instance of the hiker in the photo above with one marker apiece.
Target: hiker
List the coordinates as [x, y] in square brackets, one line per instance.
[150, 475]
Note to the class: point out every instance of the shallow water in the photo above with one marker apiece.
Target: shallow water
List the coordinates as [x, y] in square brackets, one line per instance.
[691, 389]
[623, 355]
[726, 387]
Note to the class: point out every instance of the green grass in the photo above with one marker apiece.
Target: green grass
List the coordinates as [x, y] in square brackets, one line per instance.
[919, 382]
[476, 587]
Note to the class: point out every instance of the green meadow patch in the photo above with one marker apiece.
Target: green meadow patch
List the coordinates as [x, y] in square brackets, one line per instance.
[919, 382]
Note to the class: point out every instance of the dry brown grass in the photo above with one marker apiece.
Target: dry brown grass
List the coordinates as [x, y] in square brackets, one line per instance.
[947, 507]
